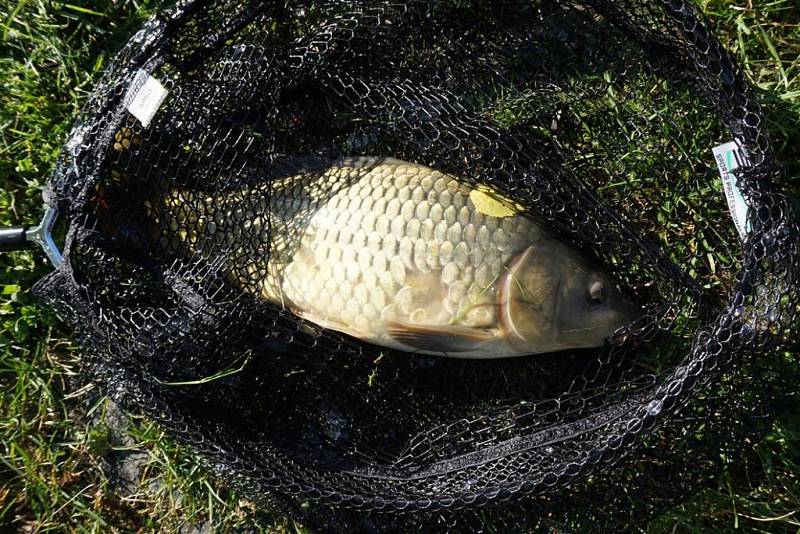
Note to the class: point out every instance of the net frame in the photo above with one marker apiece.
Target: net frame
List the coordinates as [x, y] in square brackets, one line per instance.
[532, 462]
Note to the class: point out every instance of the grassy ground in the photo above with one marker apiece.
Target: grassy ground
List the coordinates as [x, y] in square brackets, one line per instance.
[63, 449]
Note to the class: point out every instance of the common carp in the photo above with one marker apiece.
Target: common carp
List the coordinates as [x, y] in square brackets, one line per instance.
[399, 255]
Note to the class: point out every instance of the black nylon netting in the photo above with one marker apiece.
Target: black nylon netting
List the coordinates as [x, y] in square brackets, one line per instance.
[594, 115]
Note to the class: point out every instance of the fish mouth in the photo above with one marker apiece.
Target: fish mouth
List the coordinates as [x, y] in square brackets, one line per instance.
[624, 333]
[630, 312]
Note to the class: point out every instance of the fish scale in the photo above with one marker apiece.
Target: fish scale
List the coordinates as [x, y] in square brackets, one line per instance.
[358, 245]
[396, 232]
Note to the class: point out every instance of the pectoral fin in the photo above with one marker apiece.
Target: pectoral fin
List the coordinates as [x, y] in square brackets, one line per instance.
[438, 338]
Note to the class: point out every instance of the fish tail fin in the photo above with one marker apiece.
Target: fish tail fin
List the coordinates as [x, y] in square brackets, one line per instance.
[137, 216]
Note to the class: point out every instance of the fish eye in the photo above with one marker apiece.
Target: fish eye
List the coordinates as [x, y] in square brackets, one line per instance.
[596, 293]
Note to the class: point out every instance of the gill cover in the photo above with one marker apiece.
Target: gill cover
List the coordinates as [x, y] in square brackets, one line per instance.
[551, 300]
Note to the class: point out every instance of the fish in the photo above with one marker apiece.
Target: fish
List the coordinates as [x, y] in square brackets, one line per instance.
[399, 255]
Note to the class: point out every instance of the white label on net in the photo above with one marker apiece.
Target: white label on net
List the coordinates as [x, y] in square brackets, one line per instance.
[729, 157]
[144, 97]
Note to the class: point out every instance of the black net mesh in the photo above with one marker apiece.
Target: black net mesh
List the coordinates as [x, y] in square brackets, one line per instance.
[594, 115]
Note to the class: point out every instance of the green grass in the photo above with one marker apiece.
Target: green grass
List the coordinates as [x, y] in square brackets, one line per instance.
[56, 432]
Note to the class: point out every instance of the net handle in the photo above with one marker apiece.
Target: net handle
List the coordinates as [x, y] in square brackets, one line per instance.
[13, 239]
[21, 238]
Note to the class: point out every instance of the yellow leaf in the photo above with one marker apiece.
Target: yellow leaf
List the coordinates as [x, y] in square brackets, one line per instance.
[491, 203]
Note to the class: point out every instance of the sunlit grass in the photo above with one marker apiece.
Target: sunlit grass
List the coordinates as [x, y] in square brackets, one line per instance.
[58, 433]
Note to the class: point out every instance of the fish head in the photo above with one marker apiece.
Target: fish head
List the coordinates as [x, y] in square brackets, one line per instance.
[551, 299]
